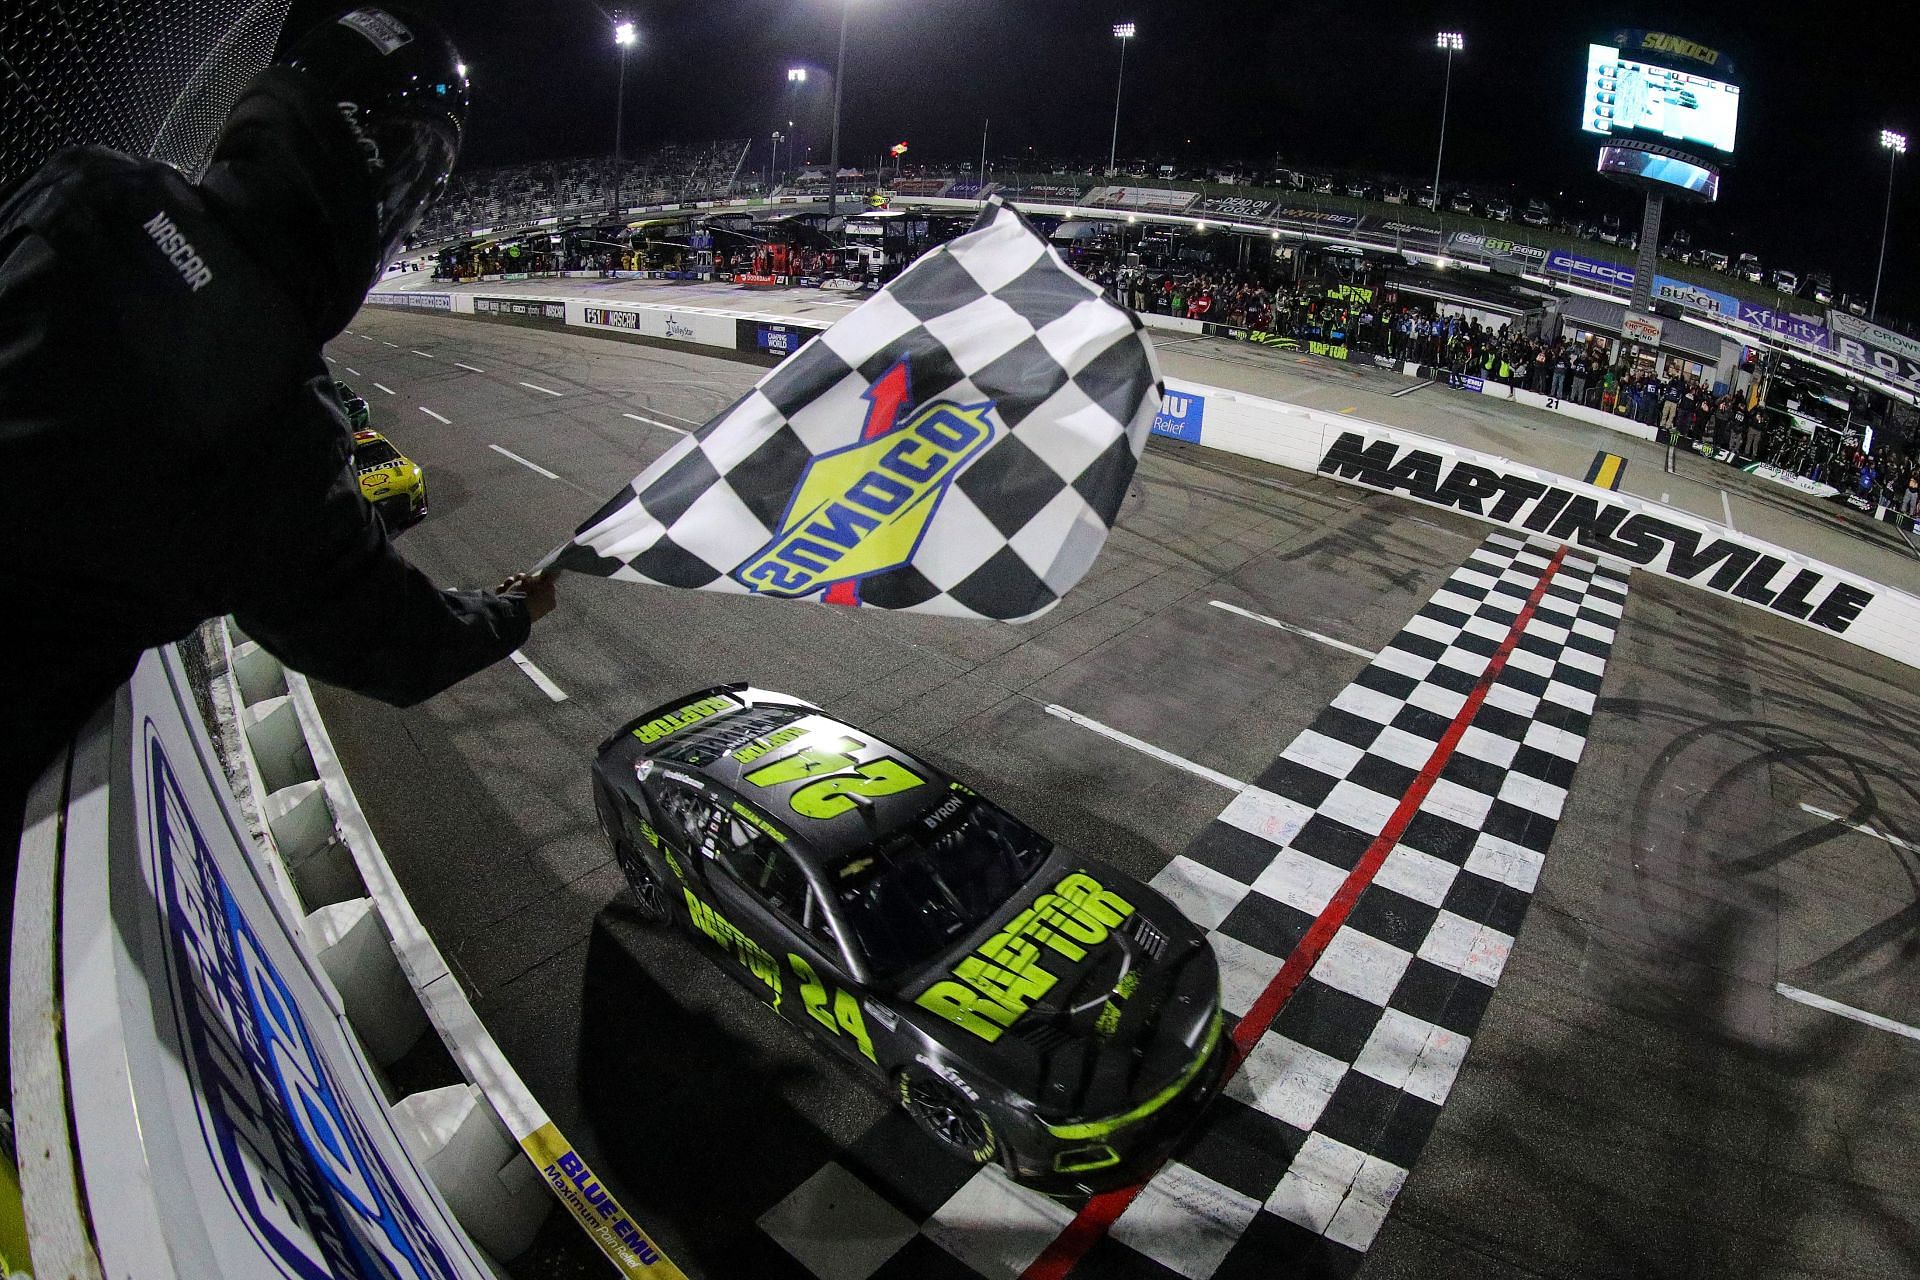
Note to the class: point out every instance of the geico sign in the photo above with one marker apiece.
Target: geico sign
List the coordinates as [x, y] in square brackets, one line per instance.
[1589, 268]
[1698, 556]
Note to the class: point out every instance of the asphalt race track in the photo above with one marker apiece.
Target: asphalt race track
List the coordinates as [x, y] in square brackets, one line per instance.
[1639, 1098]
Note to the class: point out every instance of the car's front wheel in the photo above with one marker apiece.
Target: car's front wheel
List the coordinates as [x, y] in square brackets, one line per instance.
[947, 1115]
[649, 895]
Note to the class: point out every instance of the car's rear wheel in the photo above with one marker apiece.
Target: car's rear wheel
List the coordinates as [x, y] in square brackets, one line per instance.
[947, 1115]
[649, 895]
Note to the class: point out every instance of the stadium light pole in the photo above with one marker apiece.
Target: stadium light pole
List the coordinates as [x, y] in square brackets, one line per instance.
[624, 37]
[839, 80]
[795, 76]
[1123, 32]
[1896, 146]
[1452, 42]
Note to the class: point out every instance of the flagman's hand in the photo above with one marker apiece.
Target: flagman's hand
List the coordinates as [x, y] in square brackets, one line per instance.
[536, 588]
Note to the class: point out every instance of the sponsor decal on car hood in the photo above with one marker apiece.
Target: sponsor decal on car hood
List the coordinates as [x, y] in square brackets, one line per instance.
[1088, 994]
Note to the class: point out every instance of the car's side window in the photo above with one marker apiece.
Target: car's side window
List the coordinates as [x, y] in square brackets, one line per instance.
[765, 869]
[685, 814]
[819, 924]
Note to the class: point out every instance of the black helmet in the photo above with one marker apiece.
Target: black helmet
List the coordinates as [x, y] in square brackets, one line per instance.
[402, 89]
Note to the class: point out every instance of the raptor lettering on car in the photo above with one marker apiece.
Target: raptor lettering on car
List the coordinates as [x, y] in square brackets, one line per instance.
[674, 721]
[994, 986]
[754, 957]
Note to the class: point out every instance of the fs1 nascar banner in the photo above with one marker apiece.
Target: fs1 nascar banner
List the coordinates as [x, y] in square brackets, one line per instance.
[957, 444]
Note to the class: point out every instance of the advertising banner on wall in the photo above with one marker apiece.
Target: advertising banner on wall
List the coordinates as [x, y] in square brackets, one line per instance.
[522, 308]
[1804, 329]
[1145, 199]
[778, 340]
[1181, 417]
[1331, 219]
[702, 327]
[1471, 244]
[1244, 208]
[1870, 346]
[218, 1102]
[1695, 297]
[414, 300]
[1589, 271]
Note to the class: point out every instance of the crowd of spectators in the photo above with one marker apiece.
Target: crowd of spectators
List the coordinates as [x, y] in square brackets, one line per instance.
[509, 194]
[1596, 372]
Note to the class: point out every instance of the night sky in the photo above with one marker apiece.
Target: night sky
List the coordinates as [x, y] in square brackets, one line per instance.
[1324, 85]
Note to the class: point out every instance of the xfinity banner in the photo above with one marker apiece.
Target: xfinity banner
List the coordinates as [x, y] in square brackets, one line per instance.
[1802, 329]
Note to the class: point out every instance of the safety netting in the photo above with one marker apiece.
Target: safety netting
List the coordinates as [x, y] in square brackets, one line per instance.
[148, 77]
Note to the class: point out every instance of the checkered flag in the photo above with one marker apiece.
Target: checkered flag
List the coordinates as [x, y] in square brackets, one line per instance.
[958, 444]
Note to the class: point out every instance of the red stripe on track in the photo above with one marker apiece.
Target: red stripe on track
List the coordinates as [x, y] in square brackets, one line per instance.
[1099, 1213]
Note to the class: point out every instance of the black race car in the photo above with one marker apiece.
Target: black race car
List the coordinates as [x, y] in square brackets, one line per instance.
[1025, 1004]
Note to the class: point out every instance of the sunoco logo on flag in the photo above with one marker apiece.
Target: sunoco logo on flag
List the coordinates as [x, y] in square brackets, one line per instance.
[864, 508]
[959, 443]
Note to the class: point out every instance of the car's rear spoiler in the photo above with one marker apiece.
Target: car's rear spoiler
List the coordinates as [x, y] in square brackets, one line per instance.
[735, 687]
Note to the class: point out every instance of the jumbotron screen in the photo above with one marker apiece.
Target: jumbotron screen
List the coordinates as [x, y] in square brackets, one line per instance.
[1699, 179]
[1625, 96]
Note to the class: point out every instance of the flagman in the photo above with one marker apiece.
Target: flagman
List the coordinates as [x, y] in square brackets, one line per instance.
[167, 425]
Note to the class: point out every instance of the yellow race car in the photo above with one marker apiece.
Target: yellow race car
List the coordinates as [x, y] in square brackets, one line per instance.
[390, 480]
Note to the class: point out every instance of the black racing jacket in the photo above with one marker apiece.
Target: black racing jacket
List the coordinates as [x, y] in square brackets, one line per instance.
[170, 448]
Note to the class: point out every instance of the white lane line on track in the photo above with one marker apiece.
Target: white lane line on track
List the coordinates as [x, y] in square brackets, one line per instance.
[668, 413]
[1726, 505]
[384, 387]
[663, 426]
[331, 360]
[1415, 387]
[369, 337]
[427, 354]
[350, 369]
[1291, 629]
[1873, 1020]
[538, 677]
[1146, 748]
[1862, 828]
[394, 345]
[531, 466]
[543, 390]
[469, 368]
[436, 417]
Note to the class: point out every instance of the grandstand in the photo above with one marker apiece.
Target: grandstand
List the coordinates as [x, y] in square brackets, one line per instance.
[519, 193]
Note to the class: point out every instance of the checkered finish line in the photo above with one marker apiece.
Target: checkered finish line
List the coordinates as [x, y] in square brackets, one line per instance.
[960, 443]
[1362, 896]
